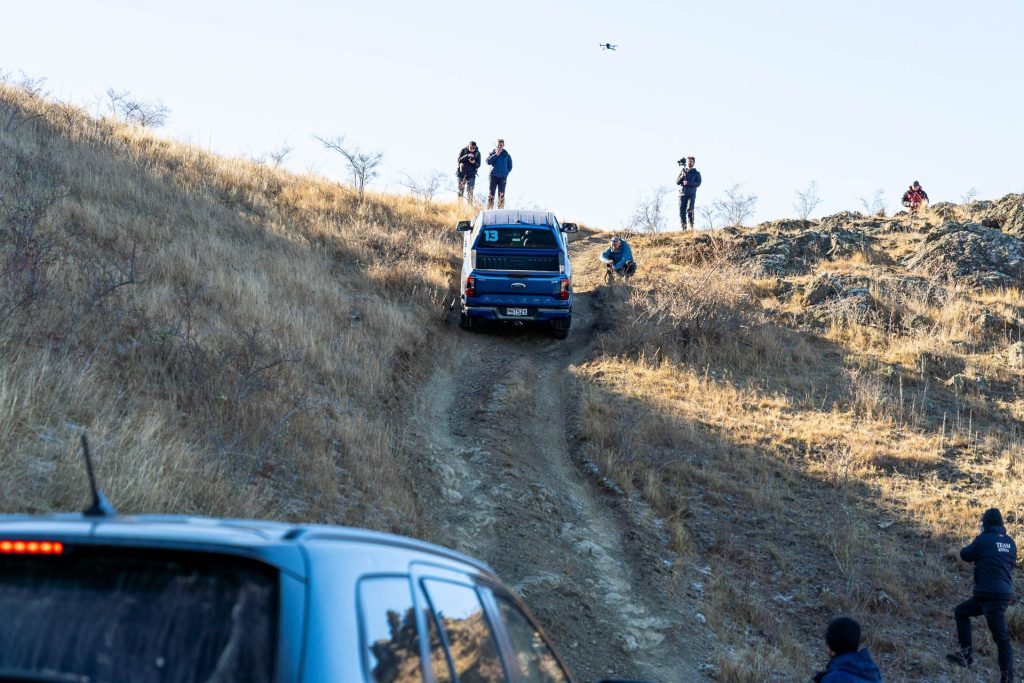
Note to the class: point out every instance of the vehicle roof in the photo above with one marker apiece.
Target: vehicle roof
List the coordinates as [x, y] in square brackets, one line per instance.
[235, 533]
[513, 216]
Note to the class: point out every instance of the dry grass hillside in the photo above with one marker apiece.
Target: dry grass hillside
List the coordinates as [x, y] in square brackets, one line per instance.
[816, 413]
[236, 339]
[821, 412]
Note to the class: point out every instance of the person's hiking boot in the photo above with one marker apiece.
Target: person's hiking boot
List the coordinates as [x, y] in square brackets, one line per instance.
[962, 658]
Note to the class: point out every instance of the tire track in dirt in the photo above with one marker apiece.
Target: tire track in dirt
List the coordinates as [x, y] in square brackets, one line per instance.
[495, 423]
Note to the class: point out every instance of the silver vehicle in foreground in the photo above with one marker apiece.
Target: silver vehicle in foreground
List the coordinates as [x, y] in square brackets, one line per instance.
[99, 598]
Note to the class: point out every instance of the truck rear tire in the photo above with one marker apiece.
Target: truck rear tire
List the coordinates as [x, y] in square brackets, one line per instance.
[560, 327]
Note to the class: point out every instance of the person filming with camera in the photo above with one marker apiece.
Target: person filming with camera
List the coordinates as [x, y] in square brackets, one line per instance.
[688, 182]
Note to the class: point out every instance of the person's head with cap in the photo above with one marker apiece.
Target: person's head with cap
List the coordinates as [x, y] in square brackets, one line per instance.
[916, 185]
[992, 518]
[616, 241]
[842, 636]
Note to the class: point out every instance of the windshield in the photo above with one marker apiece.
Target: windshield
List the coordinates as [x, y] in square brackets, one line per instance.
[109, 615]
[519, 238]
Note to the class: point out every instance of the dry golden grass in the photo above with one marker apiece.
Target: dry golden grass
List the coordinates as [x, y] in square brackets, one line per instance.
[817, 468]
[236, 339]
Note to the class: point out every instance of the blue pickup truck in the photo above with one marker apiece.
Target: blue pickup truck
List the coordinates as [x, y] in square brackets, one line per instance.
[515, 268]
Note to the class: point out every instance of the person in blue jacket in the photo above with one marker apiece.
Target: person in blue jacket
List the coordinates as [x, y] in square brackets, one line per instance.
[994, 555]
[848, 663]
[688, 182]
[619, 256]
[500, 162]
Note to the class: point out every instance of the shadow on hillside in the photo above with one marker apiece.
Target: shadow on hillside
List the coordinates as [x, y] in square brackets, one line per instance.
[784, 551]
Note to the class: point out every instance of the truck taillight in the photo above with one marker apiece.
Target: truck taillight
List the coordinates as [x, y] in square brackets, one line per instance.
[31, 547]
[470, 286]
[563, 292]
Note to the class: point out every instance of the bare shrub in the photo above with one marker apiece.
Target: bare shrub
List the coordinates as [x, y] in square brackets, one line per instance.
[275, 157]
[130, 109]
[874, 205]
[807, 201]
[969, 195]
[708, 215]
[735, 207]
[425, 187]
[362, 165]
[649, 213]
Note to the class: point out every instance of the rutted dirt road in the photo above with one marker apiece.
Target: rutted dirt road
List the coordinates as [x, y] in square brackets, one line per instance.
[497, 427]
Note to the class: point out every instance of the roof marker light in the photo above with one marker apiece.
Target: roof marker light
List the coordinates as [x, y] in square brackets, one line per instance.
[11, 547]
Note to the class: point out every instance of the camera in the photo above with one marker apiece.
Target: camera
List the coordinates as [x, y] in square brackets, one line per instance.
[682, 162]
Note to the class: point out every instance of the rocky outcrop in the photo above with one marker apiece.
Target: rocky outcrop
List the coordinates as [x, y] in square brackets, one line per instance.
[979, 255]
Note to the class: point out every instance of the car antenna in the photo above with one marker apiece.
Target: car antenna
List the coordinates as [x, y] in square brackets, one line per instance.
[100, 507]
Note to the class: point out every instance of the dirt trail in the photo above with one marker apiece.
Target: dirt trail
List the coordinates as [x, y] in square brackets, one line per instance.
[496, 424]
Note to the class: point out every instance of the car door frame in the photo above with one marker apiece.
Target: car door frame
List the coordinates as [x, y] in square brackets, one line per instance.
[483, 587]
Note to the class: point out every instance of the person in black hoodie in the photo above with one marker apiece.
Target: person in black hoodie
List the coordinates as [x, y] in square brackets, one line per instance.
[469, 164]
[688, 182]
[847, 663]
[994, 554]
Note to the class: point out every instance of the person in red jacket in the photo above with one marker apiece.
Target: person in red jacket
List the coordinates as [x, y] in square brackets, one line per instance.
[915, 197]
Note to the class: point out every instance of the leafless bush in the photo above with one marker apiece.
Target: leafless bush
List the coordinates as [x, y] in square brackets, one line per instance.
[708, 215]
[649, 213]
[145, 113]
[275, 157]
[875, 205]
[362, 165]
[34, 87]
[736, 207]
[969, 196]
[807, 201]
[425, 187]
[30, 248]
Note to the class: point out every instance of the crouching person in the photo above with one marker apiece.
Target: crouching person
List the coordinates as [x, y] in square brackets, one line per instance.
[994, 554]
[848, 663]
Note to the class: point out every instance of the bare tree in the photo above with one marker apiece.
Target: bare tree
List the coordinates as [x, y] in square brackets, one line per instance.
[807, 201]
[275, 157]
[425, 187]
[33, 86]
[736, 207]
[876, 205]
[362, 165]
[145, 113]
[649, 213]
[969, 196]
[708, 216]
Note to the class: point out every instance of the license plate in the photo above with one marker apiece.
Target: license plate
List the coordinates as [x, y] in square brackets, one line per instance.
[517, 311]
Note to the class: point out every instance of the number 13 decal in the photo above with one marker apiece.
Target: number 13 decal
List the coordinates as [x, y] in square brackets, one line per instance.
[491, 235]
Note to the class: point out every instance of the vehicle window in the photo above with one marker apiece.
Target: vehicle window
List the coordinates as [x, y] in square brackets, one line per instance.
[389, 630]
[534, 659]
[116, 615]
[518, 238]
[466, 631]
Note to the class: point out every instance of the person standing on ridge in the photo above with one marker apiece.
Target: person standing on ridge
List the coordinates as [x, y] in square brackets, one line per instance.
[688, 182]
[500, 162]
[469, 164]
[994, 554]
[847, 663]
[914, 198]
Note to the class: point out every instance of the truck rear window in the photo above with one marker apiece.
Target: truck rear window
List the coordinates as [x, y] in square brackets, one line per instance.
[518, 238]
[115, 615]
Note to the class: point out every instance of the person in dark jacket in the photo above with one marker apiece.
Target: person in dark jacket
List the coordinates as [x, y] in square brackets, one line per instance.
[848, 663]
[915, 197]
[994, 554]
[688, 182]
[469, 164]
[500, 162]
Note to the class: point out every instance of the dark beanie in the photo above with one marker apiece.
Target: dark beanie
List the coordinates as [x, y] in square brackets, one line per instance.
[843, 635]
[991, 518]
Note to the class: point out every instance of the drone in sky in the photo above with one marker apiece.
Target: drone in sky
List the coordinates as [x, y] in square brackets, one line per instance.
[608, 46]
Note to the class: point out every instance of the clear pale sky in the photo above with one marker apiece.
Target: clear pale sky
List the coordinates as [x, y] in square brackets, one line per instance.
[854, 95]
